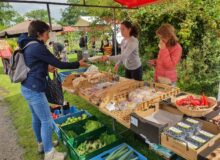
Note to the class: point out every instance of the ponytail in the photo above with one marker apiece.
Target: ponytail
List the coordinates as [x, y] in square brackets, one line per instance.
[134, 30]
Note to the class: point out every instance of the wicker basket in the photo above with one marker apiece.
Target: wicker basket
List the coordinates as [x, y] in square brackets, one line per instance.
[197, 113]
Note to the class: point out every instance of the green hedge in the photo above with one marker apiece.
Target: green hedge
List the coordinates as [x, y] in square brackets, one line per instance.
[198, 26]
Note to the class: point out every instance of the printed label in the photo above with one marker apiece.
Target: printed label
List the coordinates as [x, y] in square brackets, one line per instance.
[134, 121]
[175, 130]
[192, 121]
[198, 139]
[206, 134]
[184, 125]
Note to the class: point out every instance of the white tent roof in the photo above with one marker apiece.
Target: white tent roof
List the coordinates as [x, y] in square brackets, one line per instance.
[86, 21]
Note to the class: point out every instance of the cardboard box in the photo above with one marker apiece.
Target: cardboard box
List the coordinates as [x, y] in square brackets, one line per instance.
[150, 129]
[181, 148]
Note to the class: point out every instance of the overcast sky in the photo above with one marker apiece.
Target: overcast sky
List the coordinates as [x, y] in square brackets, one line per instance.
[23, 8]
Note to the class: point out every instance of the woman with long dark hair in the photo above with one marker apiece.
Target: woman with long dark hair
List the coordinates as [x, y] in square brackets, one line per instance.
[129, 56]
[37, 58]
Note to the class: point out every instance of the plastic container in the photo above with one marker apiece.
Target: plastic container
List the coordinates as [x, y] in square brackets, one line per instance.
[104, 155]
[74, 155]
[79, 131]
[62, 119]
[73, 109]
[62, 112]
[63, 75]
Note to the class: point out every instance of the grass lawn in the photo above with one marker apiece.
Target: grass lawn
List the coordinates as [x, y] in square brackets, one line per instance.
[21, 118]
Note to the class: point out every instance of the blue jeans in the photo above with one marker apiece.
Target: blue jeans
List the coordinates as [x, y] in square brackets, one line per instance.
[41, 117]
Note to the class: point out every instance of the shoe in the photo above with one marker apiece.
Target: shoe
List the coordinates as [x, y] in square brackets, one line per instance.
[41, 147]
[54, 155]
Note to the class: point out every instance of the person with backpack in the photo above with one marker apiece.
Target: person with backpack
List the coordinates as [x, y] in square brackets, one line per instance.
[37, 57]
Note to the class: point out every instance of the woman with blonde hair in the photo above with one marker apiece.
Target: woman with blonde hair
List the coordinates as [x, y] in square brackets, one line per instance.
[168, 57]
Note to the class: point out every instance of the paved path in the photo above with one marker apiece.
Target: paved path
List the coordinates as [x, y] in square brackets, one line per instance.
[9, 149]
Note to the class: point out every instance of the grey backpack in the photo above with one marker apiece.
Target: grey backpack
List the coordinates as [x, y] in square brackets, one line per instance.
[18, 69]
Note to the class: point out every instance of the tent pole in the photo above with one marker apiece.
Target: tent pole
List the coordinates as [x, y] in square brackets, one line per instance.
[49, 17]
[115, 40]
[218, 98]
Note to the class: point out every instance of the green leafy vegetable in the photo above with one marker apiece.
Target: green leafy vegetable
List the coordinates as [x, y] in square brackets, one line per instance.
[92, 125]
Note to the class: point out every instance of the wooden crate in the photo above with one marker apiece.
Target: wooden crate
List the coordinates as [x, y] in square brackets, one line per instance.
[119, 92]
[123, 117]
[181, 148]
[99, 96]
[67, 83]
[215, 155]
[216, 120]
[168, 92]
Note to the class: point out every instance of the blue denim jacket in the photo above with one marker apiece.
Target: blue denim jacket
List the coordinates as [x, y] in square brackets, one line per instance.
[37, 58]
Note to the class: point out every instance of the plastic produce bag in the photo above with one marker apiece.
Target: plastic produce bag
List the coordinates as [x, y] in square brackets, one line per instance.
[54, 92]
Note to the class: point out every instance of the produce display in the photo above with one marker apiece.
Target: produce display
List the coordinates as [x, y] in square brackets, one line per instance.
[189, 132]
[71, 120]
[143, 94]
[54, 116]
[92, 125]
[95, 88]
[95, 77]
[77, 81]
[89, 126]
[134, 98]
[122, 153]
[194, 103]
[119, 102]
[92, 68]
[196, 106]
[93, 145]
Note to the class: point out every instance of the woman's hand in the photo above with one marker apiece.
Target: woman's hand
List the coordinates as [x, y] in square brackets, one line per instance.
[162, 44]
[104, 58]
[83, 64]
[116, 68]
[152, 62]
[52, 69]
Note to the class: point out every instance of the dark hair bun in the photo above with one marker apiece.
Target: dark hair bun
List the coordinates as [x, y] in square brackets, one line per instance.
[134, 30]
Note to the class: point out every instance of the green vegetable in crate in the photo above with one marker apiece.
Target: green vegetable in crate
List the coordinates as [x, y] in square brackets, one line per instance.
[122, 153]
[108, 138]
[92, 145]
[89, 146]
[92, 125]
[71, 120]
[71, 134]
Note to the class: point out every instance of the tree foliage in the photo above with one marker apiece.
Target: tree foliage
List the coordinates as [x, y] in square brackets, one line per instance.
[8, 15]
[71, 14]
[39, 14]
[197, 24]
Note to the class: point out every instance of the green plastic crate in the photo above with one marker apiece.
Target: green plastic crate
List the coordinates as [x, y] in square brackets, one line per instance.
[78, 129]
[73, 152]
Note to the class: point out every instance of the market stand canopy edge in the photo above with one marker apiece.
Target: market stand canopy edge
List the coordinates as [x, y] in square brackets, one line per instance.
[22, 27]
[135, 3]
